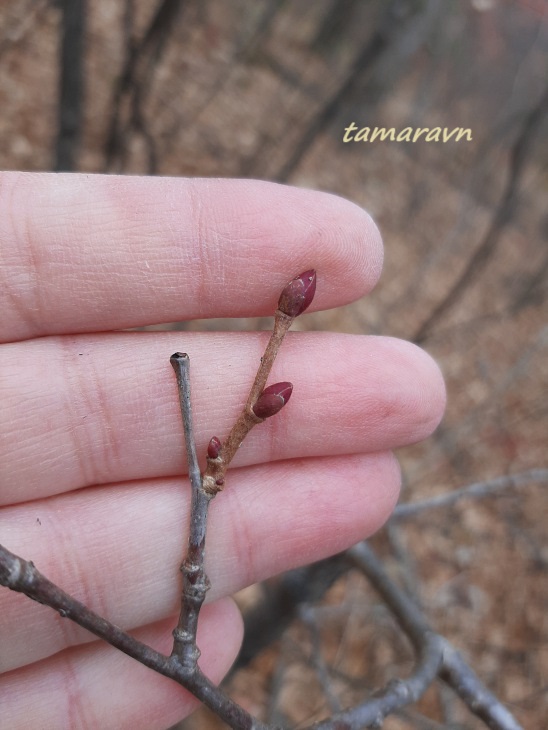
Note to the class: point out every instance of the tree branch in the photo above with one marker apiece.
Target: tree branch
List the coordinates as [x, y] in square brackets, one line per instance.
[195, 581]
[452, 668]
[478, 490]
[503, 214]
[182, 666]
[71, 92]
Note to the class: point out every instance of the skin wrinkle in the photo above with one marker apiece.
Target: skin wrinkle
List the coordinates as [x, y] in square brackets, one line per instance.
[199, 237]
[76, 423]
[73, 568]
[76, 712]
[21, 235]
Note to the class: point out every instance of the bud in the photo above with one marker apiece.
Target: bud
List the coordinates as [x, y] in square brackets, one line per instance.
[213, 448]
[298, 294]
[272, 399]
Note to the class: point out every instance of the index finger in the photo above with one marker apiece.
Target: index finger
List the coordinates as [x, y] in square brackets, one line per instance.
[86, 253]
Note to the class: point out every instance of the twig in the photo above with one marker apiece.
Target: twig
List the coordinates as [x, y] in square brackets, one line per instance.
[452, 668]
[21, 576]
[145, 53]
[398, 693]
[267, 620]
[476, 491]
[71, 77]
[182, 666]
[195, 581]
[504, 212]
[394, 17]
[294, 299]
[306, 614]
[261, 404]
[464, 681]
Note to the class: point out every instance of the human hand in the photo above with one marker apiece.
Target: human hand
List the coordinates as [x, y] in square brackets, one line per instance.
[92, 452]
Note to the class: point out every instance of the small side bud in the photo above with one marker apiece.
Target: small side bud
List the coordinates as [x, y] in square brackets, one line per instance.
[298, 294]
[213, 448]
[272, 399]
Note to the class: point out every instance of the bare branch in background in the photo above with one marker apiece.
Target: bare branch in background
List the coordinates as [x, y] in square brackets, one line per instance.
[134, 83]
[402, 27]
[473, 491]
[306, 614]
[519, 155]
[451, 666]
[329, 110]
[71, 82]
[283, 596]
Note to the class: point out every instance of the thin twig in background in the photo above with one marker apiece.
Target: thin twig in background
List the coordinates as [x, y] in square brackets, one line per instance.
[452, 668]
[71, 82]
[134, 83]
[519, 154]
[307, 616]
[266, 621]
[472, 491]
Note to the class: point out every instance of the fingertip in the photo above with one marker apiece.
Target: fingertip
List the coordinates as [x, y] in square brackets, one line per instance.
[354, 243]
[425, 405]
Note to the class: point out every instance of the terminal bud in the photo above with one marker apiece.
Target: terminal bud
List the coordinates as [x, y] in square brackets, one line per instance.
[298, 294]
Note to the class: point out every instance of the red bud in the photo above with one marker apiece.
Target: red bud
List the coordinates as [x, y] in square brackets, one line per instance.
[272, 399]
[213, 448]
[298, 294]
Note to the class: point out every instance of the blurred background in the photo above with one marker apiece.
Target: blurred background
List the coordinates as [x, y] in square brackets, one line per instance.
[265, 89]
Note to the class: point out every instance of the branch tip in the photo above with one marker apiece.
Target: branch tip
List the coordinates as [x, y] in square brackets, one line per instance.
[298, 294]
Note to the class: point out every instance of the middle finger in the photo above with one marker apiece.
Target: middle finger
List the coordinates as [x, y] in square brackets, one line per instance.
[93, 409]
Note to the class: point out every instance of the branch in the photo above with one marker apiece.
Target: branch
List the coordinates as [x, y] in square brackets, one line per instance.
[464, 681]
[452, 668]
[261, 404]
[268, 619]
[195, 581]
[182, 666]
[21, 576]
[393, 19]
[306, 614]
[146, 53]
[503, 214]
[294, 299]
[478, 490]
[397, 694]
[71, 83]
